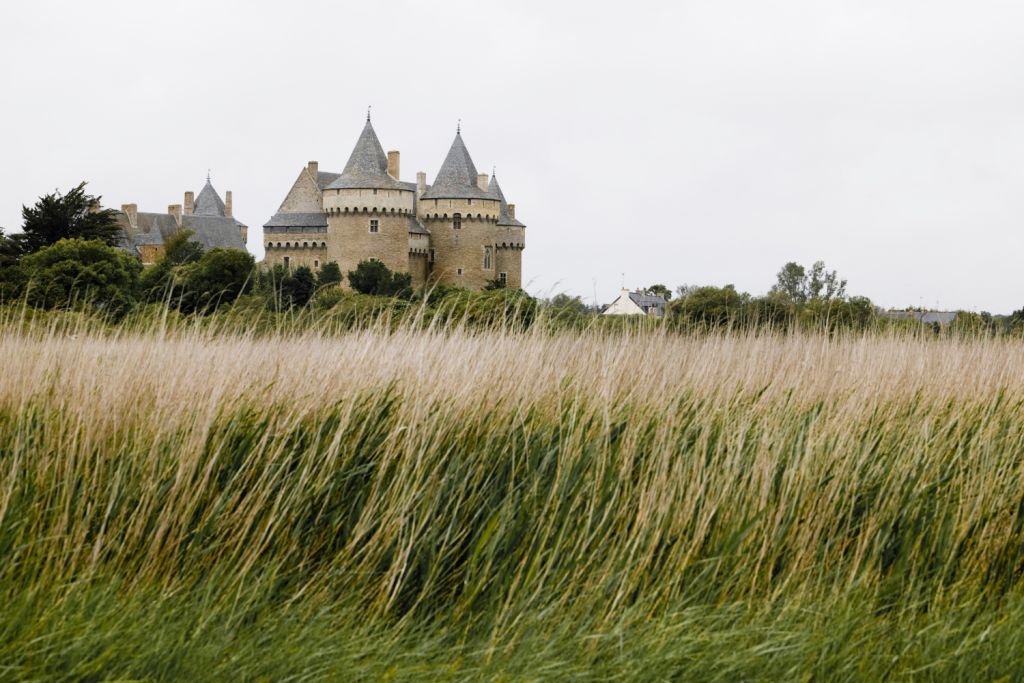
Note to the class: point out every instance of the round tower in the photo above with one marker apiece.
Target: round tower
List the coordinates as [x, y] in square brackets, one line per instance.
[369, 210]
[462, 219]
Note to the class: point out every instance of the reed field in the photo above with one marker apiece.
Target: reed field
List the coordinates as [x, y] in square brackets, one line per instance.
[457, 505]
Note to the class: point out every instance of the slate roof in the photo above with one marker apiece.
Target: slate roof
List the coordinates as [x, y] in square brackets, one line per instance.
[457, 177]
[208, 203]
[156, 228]
[367, 168]
[647, 300]
[293, 220]
[324, 179]
[494, 192]
[942, 317]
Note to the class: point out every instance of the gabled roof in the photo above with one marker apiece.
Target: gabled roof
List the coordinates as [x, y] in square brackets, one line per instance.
[208, 203]
[157, 228]
[457, 177]
[367, 168]
[494, 192]
[642, 300]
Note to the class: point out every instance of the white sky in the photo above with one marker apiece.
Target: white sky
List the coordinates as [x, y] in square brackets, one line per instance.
[687, 142]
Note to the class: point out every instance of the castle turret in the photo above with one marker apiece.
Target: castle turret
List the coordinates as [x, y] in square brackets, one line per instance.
[509, 238]
[368, 209]
[461, 217]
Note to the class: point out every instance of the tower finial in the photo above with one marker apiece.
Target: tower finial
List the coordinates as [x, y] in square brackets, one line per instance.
[368, 112]
[458, 128]
[207, 175]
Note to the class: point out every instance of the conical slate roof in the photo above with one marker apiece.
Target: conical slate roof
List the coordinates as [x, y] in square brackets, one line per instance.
[494, 192]
[367, 168]
[209, 203]
[457, 177]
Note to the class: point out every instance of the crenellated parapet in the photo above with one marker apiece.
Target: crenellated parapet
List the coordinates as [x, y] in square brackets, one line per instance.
[351, 201]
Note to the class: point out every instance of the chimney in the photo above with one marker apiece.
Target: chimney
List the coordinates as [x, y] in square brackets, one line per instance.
[481, 181]
[227, 203]
[393, 164]
[190, 203]
[314, 168]
[133, 214]
[512, 211]
[421, 184]
[175, 210]
[95, 206]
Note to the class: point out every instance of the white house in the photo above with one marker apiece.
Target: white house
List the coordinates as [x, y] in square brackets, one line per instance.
[636, 303]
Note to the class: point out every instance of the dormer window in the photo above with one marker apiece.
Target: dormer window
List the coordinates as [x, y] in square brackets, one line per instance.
[457, 221]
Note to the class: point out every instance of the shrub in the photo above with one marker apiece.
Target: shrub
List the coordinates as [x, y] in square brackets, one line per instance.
[376, 279]
[78, 270]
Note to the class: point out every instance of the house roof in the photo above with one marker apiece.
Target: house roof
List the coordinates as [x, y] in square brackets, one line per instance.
[942, 317]
[494, 192]
[642, 300]
[367, 167]
[457, 177]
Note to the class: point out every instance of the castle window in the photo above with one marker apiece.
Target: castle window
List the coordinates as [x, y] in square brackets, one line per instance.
[372, 259]
[374, 226]
[375, 191]
[487, 258]
[469, 202]
[431, 255]
[287, 262]
[316, 263]
[458, 271]
[503, 277]
[457, 221]
[435, 202]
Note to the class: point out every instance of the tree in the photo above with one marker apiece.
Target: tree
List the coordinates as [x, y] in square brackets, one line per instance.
[373, 277]
[180, 250]
[802, 286]
[329, 275]
[55, 217]
[662, 291]
[219, 277]
[708, 305]
[298, 287]
[494, 285]
[84, 271]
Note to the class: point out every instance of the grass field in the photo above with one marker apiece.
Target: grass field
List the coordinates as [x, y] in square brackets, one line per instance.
[458, 506]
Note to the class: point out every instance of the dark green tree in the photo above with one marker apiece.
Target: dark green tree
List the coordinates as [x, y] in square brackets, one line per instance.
[81, 271]
[219, 277]
[373, 277]
[494, 285]
[56, 217]
[707, 305]
[298, 287]
[329, 275]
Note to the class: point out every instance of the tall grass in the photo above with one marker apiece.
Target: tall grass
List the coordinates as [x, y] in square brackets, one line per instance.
[177, 504]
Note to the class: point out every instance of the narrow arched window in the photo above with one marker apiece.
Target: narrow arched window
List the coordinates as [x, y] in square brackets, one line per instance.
[457, 221]
[487, 258]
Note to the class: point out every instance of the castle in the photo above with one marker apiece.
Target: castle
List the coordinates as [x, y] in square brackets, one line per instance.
[208, 216]
[460, 230]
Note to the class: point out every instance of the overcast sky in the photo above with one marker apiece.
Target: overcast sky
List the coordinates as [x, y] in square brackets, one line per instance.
[673, 142]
